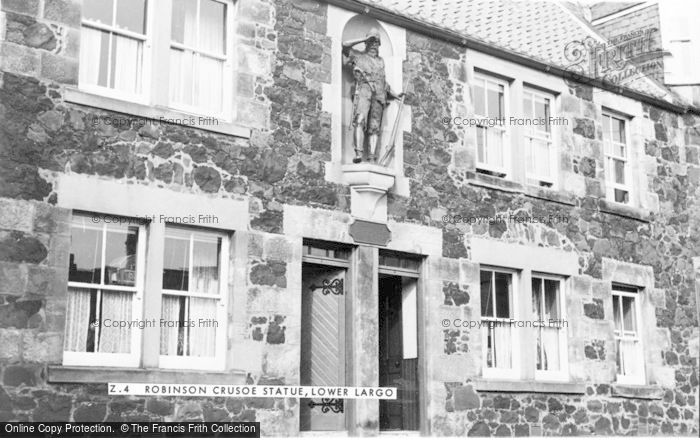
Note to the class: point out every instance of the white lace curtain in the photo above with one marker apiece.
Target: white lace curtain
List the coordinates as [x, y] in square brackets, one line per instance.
[96, 66]
[191, 322]
[199, 338]
[549, 348]
[197, 79]
[500, 346]
[112, 308]
[630, 357]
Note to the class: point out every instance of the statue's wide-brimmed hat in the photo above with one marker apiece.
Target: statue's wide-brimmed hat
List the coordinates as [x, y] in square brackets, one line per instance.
[374, 34]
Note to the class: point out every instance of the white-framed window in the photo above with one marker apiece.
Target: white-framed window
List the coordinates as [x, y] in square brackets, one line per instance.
[629, 347]
[501, 357]
[491, 108]
[540, 152]
[193, 299]
[115, 43]
[551, 359]
[105, 292]
[617, 169]
[122, 40]
[200, 58]
[107, 312]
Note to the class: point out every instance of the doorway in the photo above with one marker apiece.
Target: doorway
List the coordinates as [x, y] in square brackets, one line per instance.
[398, 352]
[322, 361]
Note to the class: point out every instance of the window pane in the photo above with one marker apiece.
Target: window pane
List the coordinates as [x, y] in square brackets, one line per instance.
[79, 333]
[486, 294]
[176, 261]
[551, 299]
[494, 144]
[539, 151]
[212, 29]
[628, 316]
[537, 297]
[499, 345]
[120, 256]
[542, 111]
[173, 330]
[531, 157]
[126, 63]
[619, 171]
[94, 56]
[620, 150]
[503, 295]
[85, 306]
[479, 99]
[621, 196]
[99, 10]
[209, 90]
[115, 306]
[549, 349]
[85, 253]
[202, 334]
[631, 360]
[131, 15]
[189, 326]
[616, 312]
[619, 127]
[205, 266]
[184, 22]
[495, 101]
[615, 126]
[481, 144]
[181, 77]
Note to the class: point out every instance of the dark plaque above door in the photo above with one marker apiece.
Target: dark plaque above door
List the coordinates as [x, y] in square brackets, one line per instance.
[372, 233]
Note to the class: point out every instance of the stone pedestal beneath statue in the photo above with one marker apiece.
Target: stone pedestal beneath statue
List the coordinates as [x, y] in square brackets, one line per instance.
[369, 184]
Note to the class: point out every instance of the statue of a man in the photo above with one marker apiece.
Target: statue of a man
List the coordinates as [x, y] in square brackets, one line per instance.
[370, 92]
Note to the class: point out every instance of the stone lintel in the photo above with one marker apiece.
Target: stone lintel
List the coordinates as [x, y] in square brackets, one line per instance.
[482, 385]
[647, 392]
[76, 374]
[610, 207]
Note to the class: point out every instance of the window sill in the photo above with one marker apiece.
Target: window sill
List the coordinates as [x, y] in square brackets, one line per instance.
[493, 182]
[550, 194]
[645, 392]
[627, 211]
[155, 113]
[74, 374]
[484, 385]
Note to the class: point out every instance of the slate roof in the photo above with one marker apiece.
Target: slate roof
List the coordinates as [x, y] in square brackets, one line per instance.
[537, 29]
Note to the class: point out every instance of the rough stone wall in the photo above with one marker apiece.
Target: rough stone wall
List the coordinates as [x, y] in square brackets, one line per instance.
[441, 170]
[286, 56]
[42, 135]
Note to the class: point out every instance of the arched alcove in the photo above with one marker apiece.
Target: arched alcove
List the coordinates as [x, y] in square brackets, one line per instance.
[344, 25]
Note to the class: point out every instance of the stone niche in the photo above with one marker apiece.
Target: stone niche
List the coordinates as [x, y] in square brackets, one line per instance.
[369, 182]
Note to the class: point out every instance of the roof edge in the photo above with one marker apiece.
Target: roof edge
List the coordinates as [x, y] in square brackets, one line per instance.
[453, 37]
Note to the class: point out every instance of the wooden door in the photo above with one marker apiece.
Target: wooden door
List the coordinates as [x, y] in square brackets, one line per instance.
[322, 344]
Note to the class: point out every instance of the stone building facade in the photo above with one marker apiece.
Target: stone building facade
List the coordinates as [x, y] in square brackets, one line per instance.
[274, 177]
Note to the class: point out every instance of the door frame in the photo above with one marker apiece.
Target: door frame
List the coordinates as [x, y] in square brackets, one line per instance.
[420, 274]
[349, 265]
